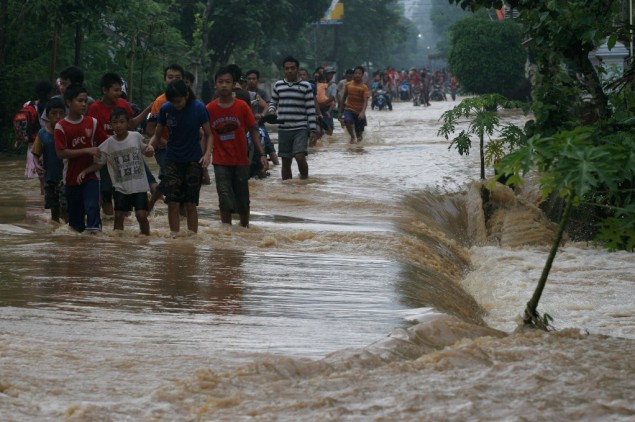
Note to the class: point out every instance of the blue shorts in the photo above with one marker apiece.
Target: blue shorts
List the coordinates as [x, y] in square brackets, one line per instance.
[293, 142]
[351, 118]
[327, 120]
[125, 202]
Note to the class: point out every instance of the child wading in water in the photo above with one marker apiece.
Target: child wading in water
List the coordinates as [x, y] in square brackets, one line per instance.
[50, 165]
[229, 121]
[185, 159]
[123, 152]
[75, 144]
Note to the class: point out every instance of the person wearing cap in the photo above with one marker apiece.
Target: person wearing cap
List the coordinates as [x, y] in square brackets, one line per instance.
[331, 89]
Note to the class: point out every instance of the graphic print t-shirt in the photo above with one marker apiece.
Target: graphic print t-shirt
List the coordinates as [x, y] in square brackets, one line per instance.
[228, 127]
[101, 112]
[125, 163]
[76, 135]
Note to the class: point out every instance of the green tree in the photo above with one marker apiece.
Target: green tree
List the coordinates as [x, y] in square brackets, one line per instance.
[370, 32]
[40, 37]
[583, 150]
[142, 41]
[488, 56]
[442, 16]
[224, 28]
[480, 114]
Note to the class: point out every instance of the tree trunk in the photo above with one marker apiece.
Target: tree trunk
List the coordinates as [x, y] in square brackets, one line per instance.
[532, 317]
[130, 73]
[55, 41]
[142, 77]
[131, 64]
[4, 17]
[205, 47]
[78, 43]
[482, 155]
[594, 84]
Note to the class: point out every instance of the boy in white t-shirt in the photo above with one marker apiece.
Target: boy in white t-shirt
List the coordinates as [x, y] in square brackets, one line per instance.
[123, 153]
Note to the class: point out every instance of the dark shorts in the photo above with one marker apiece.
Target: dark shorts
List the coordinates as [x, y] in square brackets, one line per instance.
[232, 185]
[151, 179]
[182, 181]
[351, 118]
[327, 121]
[293, 142]
[126, 202]
[54, 195]
[105, 184]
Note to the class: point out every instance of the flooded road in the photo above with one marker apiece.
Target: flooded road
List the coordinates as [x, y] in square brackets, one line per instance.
[358, 294]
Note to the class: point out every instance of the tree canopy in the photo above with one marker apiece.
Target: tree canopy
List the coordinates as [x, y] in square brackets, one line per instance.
[38, 38]
[487, 56]
[580, 141]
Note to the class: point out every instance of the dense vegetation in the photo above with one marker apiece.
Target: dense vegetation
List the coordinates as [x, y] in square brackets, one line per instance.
[488, 57]
[581, 140]
[38, 38]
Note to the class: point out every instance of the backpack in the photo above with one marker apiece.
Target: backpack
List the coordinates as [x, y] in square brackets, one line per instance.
[26, 123]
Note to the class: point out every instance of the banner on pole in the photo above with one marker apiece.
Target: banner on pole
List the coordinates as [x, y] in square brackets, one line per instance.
[334, 14]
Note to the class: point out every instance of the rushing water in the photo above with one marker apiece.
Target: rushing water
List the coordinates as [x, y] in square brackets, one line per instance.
[374, 290]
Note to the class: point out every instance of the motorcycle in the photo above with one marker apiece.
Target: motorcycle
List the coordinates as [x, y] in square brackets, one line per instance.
[404, 91]
[379, 100]
[437, 94]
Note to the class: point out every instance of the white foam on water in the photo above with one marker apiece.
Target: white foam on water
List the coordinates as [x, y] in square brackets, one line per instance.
[11, 228]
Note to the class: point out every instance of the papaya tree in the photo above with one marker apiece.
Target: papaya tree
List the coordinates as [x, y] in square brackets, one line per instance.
[482, 120]
[581, 140]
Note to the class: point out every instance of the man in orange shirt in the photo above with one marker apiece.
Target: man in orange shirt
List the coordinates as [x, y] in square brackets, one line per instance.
[356, 95]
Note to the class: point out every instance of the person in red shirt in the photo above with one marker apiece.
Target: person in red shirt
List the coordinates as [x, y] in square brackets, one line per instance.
[111, 84]
[229, 120]
[75, 144]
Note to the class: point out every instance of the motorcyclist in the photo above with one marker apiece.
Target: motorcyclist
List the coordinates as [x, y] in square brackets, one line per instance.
[380, 92]
[404, 86]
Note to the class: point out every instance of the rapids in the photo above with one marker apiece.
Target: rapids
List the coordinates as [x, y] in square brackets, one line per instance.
[374, 290]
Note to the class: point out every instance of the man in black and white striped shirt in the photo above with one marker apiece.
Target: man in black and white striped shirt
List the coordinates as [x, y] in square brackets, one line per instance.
[292, 100]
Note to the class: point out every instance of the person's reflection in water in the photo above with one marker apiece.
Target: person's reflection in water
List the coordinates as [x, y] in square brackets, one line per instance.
[201, 280]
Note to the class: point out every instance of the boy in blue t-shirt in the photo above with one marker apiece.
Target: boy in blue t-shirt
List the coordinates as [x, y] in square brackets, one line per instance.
[47, 163]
